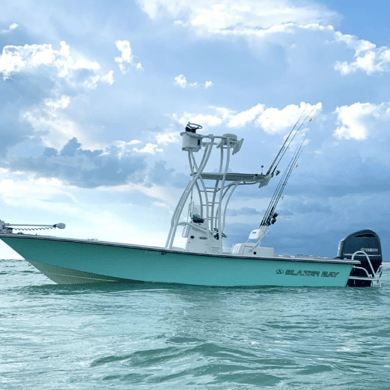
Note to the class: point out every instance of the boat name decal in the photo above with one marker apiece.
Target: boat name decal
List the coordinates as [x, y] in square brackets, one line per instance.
[323, 274]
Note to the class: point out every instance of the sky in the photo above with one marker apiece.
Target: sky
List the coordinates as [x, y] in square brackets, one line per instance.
[94, 95]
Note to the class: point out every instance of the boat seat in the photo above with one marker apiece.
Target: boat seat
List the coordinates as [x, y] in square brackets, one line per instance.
[197, 218]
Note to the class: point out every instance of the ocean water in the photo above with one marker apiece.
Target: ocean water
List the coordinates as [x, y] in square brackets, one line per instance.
[175, 337]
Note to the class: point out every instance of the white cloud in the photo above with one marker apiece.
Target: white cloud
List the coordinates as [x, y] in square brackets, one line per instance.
[126, 57]
[361, 120]
[168, 138]
[149, 148]
[204, 120]
[359, 45]
[244, 117]
[181, 81]
[109, 77]
[123, 148]
[162, 206]
[29, 192]
[13, 26]
[367, 58]
[271, 20]
[162, 193]
[51, 123]
[28, 58]
[67, 204]
[224, 113]
[269, 32]
[227, 14]
[208, 84]
[15, 59]
[272, 120]
[63, 71]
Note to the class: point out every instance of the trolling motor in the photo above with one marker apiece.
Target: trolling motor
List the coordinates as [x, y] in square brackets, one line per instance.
[7, 228]
[365, 246]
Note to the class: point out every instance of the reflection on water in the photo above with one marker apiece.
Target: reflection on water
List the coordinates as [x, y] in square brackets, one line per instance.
[147, 336]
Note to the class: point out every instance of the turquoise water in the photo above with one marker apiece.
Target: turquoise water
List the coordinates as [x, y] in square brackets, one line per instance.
[173, 337]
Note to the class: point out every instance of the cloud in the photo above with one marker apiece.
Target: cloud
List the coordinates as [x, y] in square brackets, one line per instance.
[272, 120]
[205, 120]
[265, 20]
[245, 117]
[12, 27]
[49, 121]
[367, 58]
[227, 14]
[47, 80]
[126, 59]
[160, 175]
[59, 63]
[109, 77]
[119, 164]
[22, 193]
[362, 120]
[312, 41]
[168, 137]
[242, 211]
[162, 206]
[149, 148]
[181, 81]
[122, 147]
[82, 167]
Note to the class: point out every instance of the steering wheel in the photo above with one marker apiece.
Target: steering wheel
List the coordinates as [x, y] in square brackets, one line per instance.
[193, 127]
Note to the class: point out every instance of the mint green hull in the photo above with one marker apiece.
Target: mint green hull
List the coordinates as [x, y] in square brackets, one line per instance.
[78, 261]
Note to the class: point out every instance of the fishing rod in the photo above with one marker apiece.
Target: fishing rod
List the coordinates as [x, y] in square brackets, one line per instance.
[286, 144]
[270, 215]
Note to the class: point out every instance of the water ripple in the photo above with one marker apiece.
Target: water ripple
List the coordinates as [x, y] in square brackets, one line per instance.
[173, 337]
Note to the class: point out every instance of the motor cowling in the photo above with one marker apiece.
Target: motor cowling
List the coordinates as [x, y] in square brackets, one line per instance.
[364, 241]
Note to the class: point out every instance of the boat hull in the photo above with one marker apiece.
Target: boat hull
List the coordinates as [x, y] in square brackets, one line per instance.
[68, 261]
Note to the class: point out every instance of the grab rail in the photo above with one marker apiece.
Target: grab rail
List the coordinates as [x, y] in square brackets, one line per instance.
[370, 277]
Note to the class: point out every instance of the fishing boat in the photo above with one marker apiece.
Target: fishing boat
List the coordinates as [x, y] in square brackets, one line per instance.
[200, 215]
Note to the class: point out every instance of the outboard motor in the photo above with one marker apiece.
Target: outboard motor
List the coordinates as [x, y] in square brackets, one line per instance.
[365, 241]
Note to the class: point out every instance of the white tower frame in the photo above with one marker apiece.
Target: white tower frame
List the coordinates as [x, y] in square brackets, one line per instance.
[213, 198]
